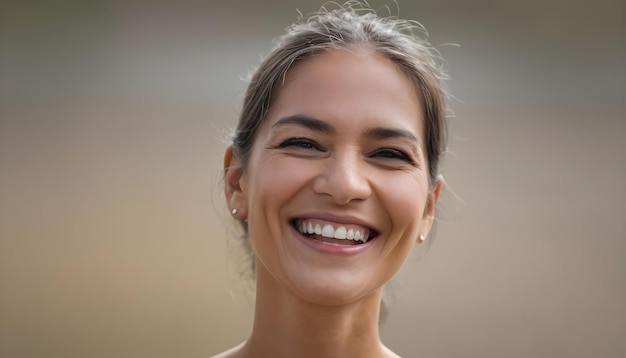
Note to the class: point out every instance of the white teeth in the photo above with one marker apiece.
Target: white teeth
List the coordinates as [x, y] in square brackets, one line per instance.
[328, 231]
[350, 234]
[340, 233]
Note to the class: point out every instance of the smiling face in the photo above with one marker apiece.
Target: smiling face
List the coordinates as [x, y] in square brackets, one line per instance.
[336, 189]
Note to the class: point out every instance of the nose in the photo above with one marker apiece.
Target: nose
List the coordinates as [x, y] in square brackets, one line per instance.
[343, 178]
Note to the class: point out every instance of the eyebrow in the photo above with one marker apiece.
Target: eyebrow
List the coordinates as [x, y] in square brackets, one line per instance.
[386, 133]
[308, 122]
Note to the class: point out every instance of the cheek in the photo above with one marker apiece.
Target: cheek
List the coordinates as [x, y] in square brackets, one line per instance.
[405, 197]
[278, 181]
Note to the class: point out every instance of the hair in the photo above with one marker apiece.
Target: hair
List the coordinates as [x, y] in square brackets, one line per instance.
[351, 25]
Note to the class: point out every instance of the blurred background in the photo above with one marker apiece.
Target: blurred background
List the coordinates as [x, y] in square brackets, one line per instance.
[113, 231]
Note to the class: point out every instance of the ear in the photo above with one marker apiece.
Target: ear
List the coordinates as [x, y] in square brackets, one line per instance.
[235, 184]
[428, 218]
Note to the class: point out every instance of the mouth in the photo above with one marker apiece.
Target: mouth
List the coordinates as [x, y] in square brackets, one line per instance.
[333, 233]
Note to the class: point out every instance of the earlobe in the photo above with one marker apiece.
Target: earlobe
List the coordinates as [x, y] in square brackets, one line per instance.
[233, 188]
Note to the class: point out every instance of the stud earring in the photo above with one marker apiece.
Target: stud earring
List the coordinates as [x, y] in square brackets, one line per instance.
[233, 212]
[422, 238]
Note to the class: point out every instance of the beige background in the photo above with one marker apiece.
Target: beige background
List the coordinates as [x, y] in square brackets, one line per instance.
[112, 234]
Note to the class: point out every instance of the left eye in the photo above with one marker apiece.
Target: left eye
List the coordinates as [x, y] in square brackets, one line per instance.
[391, 154]
[302, 143]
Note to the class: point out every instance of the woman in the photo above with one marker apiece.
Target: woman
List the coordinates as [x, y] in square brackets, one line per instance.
[333, 173]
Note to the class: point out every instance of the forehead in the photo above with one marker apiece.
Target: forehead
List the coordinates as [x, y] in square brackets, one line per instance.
[356, 86]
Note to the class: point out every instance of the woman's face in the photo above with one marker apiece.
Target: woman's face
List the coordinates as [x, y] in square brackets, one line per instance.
[336, 190]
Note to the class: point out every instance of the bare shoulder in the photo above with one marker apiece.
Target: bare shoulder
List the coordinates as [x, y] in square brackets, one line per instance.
[234, 352]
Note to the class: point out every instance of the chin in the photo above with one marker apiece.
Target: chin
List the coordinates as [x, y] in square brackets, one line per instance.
[336, 288]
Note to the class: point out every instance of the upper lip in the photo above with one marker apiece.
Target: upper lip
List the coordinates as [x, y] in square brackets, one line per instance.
[337, 218]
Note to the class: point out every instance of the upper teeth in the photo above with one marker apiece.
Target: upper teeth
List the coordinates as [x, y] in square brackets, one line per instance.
[339, 232]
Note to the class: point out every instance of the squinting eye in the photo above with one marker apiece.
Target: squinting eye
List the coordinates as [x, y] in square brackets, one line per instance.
[303, 143]
[392, 154]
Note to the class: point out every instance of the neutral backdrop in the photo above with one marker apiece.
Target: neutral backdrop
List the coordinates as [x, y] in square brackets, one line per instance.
[113, 231]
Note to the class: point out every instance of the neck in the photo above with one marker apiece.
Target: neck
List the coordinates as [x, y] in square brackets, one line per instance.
[286, 325]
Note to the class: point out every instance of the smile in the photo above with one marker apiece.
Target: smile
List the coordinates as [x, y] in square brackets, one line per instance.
[333, 232]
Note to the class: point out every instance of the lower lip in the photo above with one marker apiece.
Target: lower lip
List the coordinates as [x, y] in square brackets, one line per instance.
[330, 248]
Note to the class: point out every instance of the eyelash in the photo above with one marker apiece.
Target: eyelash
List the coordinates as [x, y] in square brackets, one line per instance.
[303, 143]
[390, 153]
[385, 153]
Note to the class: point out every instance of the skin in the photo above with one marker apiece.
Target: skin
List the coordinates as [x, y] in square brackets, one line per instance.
[342, 144]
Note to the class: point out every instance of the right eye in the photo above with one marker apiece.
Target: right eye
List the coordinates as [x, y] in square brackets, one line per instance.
[303, 143]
